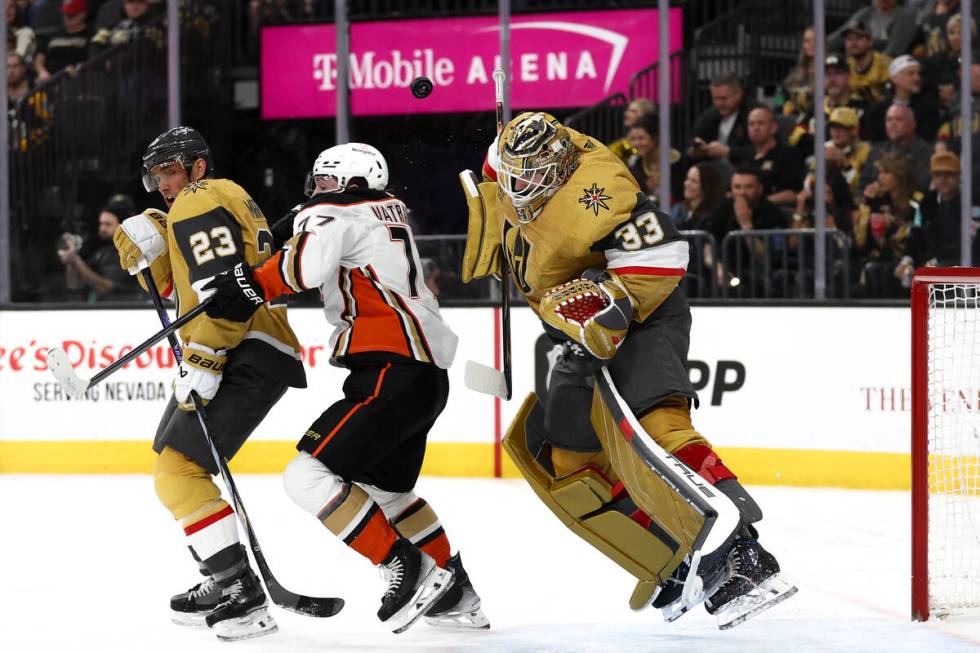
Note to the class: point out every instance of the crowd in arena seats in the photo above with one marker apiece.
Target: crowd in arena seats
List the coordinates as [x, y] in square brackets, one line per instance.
[892, 105]
[55, 35]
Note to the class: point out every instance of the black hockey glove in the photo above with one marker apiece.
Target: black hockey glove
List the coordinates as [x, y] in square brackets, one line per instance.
[237, 295]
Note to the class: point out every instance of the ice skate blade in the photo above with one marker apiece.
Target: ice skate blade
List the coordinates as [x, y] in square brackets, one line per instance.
[768, 593]
[436, 583]
[189, 619]
[469, 618]
[255, 624]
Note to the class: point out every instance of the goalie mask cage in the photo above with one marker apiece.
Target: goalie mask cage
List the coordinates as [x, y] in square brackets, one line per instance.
[945, 441]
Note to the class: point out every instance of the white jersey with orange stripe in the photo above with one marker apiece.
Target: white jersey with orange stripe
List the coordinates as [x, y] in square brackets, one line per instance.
[358, 247]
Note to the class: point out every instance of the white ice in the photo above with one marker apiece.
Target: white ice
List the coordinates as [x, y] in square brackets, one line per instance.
[88, 563]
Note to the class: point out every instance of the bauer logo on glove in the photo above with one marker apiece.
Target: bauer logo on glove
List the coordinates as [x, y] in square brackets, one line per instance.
[594, 311]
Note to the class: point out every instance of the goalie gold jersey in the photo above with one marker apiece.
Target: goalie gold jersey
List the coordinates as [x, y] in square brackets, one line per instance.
[598, 219]
[212, 225]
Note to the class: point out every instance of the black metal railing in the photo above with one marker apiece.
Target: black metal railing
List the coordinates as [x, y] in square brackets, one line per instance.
[779, 264]
[603, 120]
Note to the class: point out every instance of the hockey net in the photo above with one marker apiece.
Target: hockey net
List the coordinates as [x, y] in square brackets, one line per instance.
[945, 442]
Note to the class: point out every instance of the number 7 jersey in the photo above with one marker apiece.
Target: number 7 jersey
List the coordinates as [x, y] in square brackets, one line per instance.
[358, 248]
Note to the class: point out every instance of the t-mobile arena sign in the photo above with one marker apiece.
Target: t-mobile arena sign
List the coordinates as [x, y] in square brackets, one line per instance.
[557, 60]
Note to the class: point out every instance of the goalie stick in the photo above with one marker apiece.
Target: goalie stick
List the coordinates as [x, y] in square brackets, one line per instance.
[306, 605]
[477, 376]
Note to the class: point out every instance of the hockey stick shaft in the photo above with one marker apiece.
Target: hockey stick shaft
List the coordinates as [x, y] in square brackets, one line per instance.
[499, 78]
[307, 605]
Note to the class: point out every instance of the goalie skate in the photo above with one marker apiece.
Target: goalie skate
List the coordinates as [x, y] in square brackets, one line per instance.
[415, 583]
[459, 608]
[685, 590]
[753, 587]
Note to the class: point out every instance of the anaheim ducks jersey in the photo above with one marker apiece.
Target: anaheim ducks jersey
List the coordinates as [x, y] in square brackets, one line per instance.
[358, 248]
[597, 219]
[212, 225]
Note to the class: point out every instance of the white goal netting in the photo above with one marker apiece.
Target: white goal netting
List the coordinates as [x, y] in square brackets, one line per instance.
[954, 447]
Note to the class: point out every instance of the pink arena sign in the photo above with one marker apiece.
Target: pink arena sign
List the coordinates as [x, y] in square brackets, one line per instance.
[557, 60]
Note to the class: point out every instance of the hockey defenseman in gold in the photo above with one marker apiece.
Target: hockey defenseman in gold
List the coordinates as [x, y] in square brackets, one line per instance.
[240, 369]
[601, 266]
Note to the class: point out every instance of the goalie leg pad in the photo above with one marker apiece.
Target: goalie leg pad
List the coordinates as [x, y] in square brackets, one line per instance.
[583, 501]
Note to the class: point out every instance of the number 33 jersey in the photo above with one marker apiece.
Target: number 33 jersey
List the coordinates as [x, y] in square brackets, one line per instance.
[597, 219]
[358, 248]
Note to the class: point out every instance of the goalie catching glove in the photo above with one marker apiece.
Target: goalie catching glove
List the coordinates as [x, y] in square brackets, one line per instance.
[141, 238]
[594, 310]
[237, 294]
[201, 372]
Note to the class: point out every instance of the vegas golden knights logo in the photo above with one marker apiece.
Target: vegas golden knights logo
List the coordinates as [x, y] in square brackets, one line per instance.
[518, 251]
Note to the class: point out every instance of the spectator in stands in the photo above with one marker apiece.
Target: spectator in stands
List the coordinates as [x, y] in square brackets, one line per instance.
[900, 129]
[937, 240]
[97, 273]
[869, 68]
[838, 201]
[845, 151]
[952, 130]
[634, 111]
[780, 167]
[28, 114]
[724, 124]
[136, 16]
[746, 208]
[643, 137]
[941, 71]
[936, 23]
[20, 37]
[890, 28]
[799, 82]
[882, 225]
[703, 192]
[906, 90]
[838, 93]
[67, 48]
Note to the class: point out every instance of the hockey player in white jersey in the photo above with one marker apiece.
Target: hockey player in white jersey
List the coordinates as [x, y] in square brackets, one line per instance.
[359, 461]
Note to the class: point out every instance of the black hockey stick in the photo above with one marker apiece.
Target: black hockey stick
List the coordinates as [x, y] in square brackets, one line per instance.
[306, 605]
[76, 386]
[498, 78]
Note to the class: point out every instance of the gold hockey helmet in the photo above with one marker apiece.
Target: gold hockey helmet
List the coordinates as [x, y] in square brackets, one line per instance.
[536, 157]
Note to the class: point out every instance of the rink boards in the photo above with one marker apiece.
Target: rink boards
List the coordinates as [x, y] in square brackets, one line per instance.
[790, 396]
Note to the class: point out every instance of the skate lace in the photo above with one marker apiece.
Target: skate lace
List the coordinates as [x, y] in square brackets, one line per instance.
[393, 572]
[233, 591]
[203, 589]
[735, 564]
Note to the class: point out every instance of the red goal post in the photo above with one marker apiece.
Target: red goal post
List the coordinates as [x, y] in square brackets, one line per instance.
[945, 441]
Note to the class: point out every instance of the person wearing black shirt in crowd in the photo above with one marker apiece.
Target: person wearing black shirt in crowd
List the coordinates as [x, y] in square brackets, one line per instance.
[68, 47]
[724, 124]
[780, 167]
[906, 90]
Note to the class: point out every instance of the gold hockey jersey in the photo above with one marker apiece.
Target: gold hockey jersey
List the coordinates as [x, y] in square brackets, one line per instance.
[212, 225]
[597, 219]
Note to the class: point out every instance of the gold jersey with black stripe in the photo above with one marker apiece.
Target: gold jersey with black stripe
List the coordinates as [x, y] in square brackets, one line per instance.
[597, 219]
[213, 225]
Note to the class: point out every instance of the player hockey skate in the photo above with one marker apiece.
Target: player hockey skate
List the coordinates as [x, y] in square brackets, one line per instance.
[191, 607]
[415, 583]
[243, 612]
[459, 608]
[753, 585]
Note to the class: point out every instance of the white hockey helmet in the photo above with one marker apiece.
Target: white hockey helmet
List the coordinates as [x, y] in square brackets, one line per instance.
[349, 161]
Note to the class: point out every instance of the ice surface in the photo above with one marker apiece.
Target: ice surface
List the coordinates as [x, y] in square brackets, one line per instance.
[88, 563]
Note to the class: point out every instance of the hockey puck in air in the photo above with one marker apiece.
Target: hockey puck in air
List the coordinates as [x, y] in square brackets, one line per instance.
[421, 87]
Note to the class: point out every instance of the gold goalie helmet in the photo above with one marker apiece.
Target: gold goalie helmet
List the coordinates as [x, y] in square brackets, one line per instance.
[536, 158]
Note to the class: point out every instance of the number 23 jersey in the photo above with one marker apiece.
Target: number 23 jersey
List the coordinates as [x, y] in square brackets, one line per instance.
[358, 248]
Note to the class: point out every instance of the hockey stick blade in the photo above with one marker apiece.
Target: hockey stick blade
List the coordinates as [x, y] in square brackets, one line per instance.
[481, 378]
[309, 606]
[74, 385]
